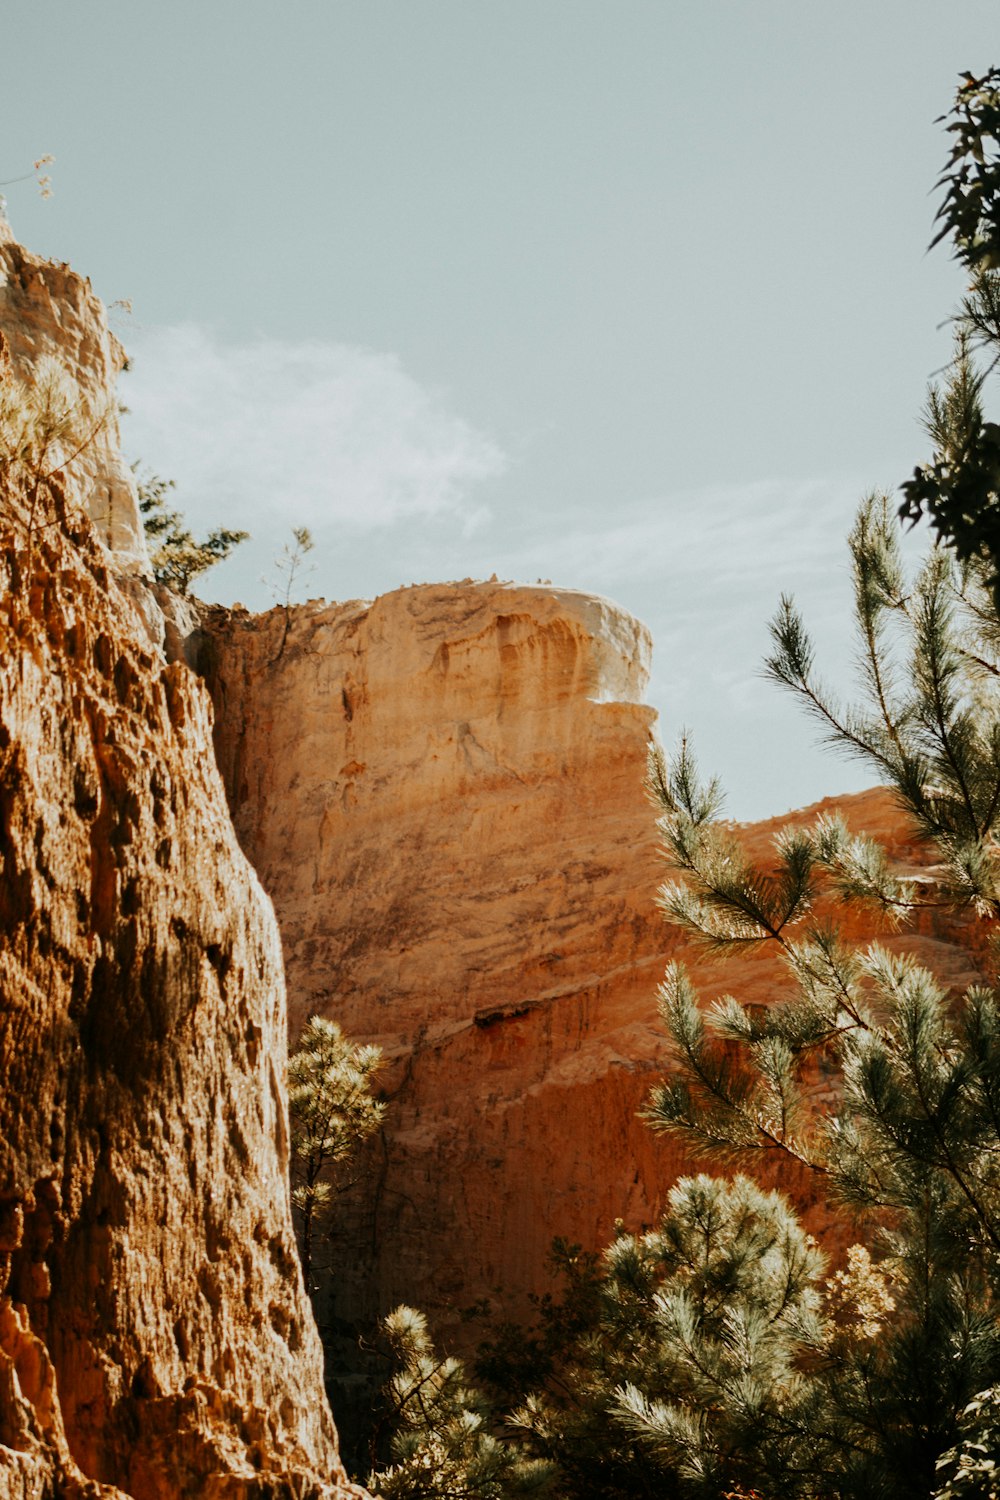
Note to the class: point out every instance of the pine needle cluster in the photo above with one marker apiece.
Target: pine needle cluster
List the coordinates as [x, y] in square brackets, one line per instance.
[912, 1146]
[444, 1446]
[176, 558]
[331, 1111]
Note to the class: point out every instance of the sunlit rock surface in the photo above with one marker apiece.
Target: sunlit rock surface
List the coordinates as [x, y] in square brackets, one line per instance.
[46, 308]
[443, 793]
[155, 1338]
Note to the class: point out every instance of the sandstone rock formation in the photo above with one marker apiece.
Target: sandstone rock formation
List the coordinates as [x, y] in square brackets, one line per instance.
[443, 792]
[155, 1338]
[47, 309]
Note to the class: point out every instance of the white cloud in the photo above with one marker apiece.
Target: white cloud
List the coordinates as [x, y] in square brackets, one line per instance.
[303, 433]
[730, 533]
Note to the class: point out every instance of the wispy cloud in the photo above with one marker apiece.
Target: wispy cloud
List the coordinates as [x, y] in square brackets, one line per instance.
[306, 433]
[732, 533]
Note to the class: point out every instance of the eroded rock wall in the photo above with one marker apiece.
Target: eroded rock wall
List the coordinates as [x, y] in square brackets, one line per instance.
[155, 1338]
[443, 792]
[48, 310]
[437, 779]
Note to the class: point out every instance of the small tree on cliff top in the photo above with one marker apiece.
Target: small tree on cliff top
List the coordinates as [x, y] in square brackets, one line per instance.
[175, 555]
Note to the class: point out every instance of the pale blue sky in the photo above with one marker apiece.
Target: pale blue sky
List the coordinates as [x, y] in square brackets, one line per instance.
[628, 295]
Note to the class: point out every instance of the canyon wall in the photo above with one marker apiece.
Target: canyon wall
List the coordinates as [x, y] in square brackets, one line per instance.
[443, 792]
[155, 1337]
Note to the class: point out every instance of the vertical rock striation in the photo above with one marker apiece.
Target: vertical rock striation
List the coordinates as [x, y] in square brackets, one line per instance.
[443, 791]
[155, 1338]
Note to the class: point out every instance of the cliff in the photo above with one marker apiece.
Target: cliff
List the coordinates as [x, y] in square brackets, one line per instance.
[47, 310]
[155, 1338]
[443, 792]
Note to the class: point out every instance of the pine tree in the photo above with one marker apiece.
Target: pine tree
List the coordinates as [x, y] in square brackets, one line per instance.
[689, 1384]
[444, 1446]
[913, 1146]
[331, 1111]
[176, 557]
[716, 1357]
[890, 1385]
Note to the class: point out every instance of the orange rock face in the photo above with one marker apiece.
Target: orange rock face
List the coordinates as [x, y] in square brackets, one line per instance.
[443, 793]
[155, 1338]
[48, 310]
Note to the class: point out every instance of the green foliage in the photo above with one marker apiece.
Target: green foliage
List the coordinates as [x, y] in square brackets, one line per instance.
[555, 1381]
[175, 555]
[515, 1359]
[712, 1310]
[969, 214]
[959, 487]
[290, 565]
[687, 1383]
[909, 1330]
[444, 1444]
[913, 1143]
[291, 568]
[927, 721]
[971, 1470]
[331, 1111]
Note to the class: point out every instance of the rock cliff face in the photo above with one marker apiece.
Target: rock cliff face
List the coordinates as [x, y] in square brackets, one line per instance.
[443, 792]
[47, 309]
[155, 1338]
[439, 779]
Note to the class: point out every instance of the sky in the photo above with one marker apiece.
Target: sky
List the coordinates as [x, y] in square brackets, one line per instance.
[631, 296]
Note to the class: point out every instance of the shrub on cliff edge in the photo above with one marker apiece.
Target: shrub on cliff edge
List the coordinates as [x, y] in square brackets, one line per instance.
[175, 555]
